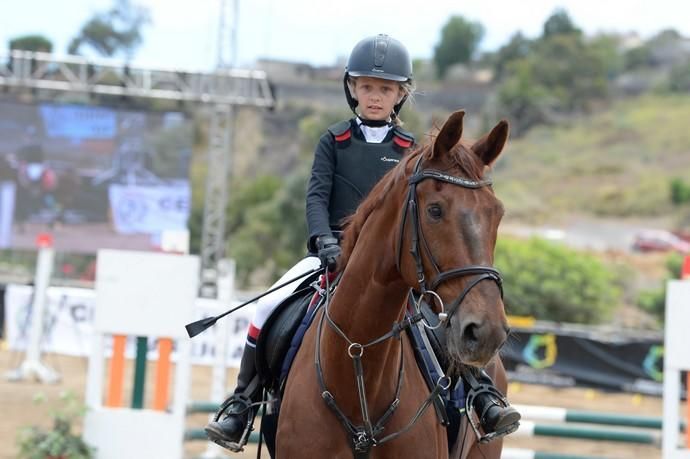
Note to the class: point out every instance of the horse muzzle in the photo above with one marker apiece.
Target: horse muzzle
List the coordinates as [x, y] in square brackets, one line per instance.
[474, 340]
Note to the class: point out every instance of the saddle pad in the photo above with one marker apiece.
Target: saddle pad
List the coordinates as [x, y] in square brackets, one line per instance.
[307, 319]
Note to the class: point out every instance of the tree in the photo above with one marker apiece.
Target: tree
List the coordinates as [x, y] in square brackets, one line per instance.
[605, 48]
[561, 74]
[573, 71]
[117, 30]
[679, 78]
[638, 58]
[36, 43]
[522, 98]
[459, 41]
[517, 48]
[559, 23]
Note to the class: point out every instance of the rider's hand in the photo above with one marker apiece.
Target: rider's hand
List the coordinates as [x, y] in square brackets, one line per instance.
[328, 251]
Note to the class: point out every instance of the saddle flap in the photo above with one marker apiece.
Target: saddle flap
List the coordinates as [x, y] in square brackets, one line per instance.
[276, 336]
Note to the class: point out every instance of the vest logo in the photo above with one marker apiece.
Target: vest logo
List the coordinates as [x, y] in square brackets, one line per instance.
[386, 159]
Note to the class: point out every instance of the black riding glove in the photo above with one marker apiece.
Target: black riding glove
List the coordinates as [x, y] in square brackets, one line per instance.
[328, 251]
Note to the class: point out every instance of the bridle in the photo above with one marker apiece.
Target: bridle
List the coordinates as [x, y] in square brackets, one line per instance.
[480, 272]
[364, 437]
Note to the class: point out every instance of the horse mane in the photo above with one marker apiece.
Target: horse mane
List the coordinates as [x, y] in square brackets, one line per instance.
[462, 158]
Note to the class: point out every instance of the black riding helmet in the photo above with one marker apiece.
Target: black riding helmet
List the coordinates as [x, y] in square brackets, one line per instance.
[382, 57]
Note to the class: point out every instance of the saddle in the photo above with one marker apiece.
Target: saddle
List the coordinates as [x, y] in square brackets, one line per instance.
[282, 333]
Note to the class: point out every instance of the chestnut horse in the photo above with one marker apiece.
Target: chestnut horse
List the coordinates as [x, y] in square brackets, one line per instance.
[430, 225]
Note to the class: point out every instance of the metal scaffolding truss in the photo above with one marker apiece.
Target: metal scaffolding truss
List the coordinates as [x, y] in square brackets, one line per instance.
[76, 74]
[222, 90]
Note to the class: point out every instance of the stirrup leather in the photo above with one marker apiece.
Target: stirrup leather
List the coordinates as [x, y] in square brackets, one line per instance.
[471, 413]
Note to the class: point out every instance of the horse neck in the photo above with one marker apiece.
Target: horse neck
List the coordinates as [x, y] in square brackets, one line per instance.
[371, 294]
[369, 300]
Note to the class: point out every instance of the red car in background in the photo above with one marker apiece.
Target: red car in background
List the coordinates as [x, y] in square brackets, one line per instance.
[660, 241]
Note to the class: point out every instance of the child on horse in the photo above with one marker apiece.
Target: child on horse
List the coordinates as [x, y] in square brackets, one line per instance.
[351, 157]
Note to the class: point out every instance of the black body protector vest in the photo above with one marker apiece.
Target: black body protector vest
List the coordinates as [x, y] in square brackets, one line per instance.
[359, 166]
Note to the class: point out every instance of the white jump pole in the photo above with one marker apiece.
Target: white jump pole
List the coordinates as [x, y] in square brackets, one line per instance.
[32, 365]
[676, 359]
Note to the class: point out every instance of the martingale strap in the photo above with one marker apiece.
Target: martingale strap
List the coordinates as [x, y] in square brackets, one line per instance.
[364, 437]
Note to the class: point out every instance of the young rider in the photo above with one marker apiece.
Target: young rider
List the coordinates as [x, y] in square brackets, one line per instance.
[350, 158]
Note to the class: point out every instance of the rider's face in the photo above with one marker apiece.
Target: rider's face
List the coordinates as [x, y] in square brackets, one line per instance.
[376, 97]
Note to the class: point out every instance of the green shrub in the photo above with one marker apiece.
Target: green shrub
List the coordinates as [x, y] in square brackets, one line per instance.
[680, 191]
[552, 282]
[654, 300]
[60, 441]
[679, 78]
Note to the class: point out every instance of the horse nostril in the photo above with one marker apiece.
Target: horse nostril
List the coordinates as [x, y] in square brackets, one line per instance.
[471, 332]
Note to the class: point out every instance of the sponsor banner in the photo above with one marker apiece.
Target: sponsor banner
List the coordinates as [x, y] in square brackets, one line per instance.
[564, 358]
[68, 325]
[149, 209]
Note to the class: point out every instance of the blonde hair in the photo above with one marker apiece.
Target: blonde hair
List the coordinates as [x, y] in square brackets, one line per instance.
[407, 87]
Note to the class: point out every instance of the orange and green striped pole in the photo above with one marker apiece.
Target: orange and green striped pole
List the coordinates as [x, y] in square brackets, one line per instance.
[160, 399]
[117, 372]
[140, 373]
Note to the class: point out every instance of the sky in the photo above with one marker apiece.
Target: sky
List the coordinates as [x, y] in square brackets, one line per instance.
[184, 33]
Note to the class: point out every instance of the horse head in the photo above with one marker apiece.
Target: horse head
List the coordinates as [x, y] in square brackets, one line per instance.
[449, 226]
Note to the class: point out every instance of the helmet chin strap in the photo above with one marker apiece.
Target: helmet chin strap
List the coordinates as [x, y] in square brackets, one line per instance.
[374, 123]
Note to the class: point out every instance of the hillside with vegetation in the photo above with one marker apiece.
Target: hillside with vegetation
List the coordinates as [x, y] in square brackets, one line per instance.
[620, 162]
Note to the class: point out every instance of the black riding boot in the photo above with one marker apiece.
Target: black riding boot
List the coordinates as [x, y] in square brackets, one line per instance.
[228, 432]
[496, 417]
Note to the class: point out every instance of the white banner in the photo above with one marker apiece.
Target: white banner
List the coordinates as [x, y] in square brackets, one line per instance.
[7, 194]
[68, 324]
[149, 209]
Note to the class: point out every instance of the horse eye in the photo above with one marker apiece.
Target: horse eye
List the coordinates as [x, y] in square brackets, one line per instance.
[434, 211]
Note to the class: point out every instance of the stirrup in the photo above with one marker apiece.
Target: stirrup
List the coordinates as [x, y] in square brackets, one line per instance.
[246, 407]
[471, 413]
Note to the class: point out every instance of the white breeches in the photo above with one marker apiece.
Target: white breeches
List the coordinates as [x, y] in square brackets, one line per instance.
[266, 305]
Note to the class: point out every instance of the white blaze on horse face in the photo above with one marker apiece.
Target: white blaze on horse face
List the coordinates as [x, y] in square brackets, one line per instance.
[473, 229]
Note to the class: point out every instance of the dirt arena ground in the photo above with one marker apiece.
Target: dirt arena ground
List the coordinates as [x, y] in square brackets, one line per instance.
[19, 410]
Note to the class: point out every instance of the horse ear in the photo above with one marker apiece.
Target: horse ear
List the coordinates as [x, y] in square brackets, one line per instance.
[450, 133]
[490, 146]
